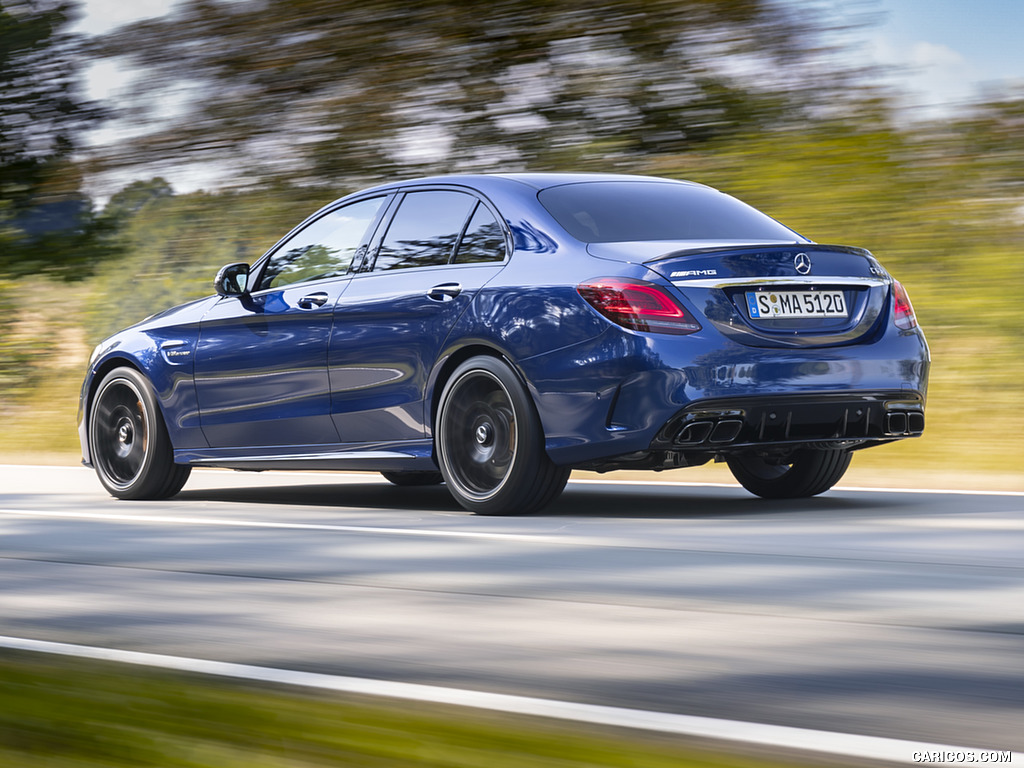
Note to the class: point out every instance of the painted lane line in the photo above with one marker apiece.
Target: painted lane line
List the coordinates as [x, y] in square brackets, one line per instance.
[854, 488]
[124, 518]
[780, 736]
[979, 524]
[962, 524]
[369, 477]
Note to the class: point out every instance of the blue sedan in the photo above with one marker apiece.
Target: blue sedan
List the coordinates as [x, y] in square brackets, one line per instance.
[494, 332]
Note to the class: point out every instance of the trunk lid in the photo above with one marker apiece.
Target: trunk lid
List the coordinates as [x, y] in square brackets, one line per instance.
[775, 295]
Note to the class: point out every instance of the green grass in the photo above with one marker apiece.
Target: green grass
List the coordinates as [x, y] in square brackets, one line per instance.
[69, 713]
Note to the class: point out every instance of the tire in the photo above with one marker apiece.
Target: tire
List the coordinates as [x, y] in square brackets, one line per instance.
[809, 473]
[490, 445]
[409, 479]
[128, 440]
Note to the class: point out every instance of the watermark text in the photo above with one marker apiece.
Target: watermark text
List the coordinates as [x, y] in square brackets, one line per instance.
[988, 756]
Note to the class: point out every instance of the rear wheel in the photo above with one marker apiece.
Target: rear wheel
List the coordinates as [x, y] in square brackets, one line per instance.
[490, 444]
[807, 473]
[128, 440]
[413, 478]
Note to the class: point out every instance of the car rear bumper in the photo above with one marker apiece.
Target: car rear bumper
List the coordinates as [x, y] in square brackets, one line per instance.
[849, 419]
[623, 394]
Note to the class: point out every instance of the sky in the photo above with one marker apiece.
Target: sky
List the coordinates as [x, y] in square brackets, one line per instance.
[951, 49]
[946, 50]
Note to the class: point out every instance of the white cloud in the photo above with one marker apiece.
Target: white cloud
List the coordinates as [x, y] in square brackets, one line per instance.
[925, 54]
[933, 76]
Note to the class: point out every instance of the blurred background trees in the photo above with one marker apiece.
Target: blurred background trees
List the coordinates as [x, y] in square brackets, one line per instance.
[283, 105]
[47, 223]
[317, 91]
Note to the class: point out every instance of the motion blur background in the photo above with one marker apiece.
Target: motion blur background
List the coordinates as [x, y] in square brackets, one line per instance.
[143, 146]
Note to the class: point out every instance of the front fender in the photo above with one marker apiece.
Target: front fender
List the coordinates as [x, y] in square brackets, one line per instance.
[165, 357]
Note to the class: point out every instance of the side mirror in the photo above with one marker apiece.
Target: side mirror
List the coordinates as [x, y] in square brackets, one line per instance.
[232, 280]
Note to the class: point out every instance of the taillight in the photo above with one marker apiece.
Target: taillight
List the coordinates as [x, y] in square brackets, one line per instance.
[903, 310]
[638, 305]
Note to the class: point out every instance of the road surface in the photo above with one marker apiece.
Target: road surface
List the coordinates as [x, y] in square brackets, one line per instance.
[871, 612]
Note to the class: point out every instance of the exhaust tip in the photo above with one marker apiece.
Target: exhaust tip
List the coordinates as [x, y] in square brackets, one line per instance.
[694, 433]
[904, 423]
[896, 423]
[726, 431]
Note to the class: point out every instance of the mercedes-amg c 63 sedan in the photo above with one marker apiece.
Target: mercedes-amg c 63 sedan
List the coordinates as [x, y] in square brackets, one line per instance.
[495, 332]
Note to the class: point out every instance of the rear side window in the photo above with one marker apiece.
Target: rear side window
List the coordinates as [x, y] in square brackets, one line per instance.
[483, 239]
[325, 248]
[626, 211]
[424, 230]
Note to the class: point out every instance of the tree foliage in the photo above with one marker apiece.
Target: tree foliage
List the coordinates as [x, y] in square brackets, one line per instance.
[317, 90]
[46, 222]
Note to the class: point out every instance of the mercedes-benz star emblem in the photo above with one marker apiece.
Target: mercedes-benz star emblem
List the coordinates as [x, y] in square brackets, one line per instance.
[802, 262]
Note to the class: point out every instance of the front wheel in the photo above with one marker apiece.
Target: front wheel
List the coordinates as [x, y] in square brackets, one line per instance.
[807, 473]
[128, 440]
[490, 444]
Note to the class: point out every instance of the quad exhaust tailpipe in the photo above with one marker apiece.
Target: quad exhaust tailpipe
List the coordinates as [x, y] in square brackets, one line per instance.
[774, 421]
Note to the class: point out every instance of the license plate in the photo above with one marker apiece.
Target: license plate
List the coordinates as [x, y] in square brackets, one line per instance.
[788, 304]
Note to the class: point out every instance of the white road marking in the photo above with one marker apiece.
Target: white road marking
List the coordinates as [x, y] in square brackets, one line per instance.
[954, 523]
[785, 737]
[289, 526]
[369, 477]
[855, 488]
[961, 523]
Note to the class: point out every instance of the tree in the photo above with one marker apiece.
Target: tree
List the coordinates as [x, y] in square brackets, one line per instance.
[317, 90]
[47, 224]
[137, 195]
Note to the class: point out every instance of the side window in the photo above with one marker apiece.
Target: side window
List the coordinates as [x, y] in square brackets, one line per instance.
[424, 230]
[483, 240]
[323, 249]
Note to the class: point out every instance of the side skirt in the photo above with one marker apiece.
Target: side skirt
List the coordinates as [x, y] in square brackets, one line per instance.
[412, 455]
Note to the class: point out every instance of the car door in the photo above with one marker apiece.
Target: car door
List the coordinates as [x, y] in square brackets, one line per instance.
[439, 248]
[261, 361]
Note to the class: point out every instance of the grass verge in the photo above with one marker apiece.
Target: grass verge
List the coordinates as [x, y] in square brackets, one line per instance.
[64, 713]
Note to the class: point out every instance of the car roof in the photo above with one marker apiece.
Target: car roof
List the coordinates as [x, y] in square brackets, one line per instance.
[536, 181]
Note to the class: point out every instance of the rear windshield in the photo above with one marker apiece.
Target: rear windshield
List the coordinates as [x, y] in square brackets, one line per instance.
[624, 211]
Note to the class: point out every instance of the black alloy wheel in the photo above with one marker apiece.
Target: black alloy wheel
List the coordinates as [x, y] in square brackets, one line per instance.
[128, 440]
[490, 444]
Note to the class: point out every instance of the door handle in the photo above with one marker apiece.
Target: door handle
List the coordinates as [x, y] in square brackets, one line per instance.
[444, 292]
[313, 300]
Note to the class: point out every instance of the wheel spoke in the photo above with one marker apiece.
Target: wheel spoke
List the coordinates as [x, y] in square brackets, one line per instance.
[128, 441]
[122, 438]
[489, 442]
[479, 433]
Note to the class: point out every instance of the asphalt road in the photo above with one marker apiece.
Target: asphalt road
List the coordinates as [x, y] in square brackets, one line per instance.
[878, 613]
